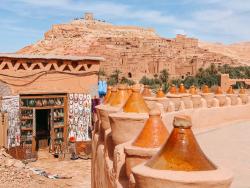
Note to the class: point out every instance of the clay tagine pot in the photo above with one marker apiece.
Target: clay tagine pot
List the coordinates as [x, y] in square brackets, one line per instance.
[160, 93]
[150, 139]
[242, 91]
[121, 97]
[146, 91]
[220, 96]
[230, 90]
[172, 89]
[181, 163]
[232, 96]
[176, 152]
[126, 125]
[196, 99]
[182, 88]
[136, 103]
[218, 90]
[185, 97]
[154, 133]
[108, 94]
[130, 90]
[207, 95]
[112, 95]
[243, 95]
[205, 89]
[193, 90]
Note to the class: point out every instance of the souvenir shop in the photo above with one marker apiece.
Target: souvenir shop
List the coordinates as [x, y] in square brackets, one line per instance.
[45, 101]
[46, 122]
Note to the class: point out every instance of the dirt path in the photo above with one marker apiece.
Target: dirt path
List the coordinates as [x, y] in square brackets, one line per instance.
[79, 170]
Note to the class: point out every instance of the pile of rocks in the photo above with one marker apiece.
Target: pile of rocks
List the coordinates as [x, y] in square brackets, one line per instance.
[13, 172]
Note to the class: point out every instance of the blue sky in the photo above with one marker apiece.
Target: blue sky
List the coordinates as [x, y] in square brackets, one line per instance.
[24, 22]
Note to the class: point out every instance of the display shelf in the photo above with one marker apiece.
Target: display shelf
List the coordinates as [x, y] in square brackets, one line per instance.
[58, 117]
[23, 118]
[57, 105]
[41, 107]
[26, 129]
[58, 126]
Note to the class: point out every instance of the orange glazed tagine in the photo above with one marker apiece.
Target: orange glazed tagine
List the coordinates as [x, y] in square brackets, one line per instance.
[181, 152]
[154, 132]
[135, 102]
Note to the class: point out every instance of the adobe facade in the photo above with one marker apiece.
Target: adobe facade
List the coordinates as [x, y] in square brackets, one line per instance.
[48, 74]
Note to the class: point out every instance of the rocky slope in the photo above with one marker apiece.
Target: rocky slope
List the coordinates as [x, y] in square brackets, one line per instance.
[240, 51]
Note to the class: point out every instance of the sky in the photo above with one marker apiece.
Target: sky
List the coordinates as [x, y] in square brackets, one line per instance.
[23, 22]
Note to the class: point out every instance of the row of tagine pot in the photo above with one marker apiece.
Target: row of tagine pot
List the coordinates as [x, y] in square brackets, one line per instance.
[126, 115]
[179, 99]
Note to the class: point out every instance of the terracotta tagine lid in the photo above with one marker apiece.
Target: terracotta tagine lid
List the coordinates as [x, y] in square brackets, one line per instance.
[230, 90]
[181, 152]
[160, 93]
[193, 90]
[108, 94]
[146, 91]
[154, 134]
[135, 102]
[130, 90]
[121, 96]
[218, 90]
[242, 91]
[112, 95]
[182, 88]
[172, 89]
[205, 89]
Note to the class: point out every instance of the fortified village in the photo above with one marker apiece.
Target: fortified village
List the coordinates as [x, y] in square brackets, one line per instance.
[58, 130]
[133, 50]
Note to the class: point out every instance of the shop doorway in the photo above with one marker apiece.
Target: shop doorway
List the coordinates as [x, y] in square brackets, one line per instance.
[42, 128]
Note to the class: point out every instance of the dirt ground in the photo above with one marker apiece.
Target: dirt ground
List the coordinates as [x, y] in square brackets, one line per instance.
[15, 175]
[79, 170]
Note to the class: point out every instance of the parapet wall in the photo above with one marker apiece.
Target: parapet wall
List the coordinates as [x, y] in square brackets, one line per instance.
[208, 111]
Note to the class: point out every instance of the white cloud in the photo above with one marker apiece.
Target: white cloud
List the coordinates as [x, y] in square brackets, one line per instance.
[219, 19]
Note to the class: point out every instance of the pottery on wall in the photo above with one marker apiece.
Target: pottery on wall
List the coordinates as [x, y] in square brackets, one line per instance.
[150, 101]
[209, 98]
[244, 98]
[121, 97]
[176, 152]
[182, 89]
[206, 89]
[196, 99]
[125, 126]
[193, 90]
[173, 89]
[181, 163]
[221, 98]
[146, 91]
[187, 99]
[112, 95]
[148, 142]
[176, 99]
[160, 93]
[232, 96]
[103, 112]
[136, 103]
[108, 94]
